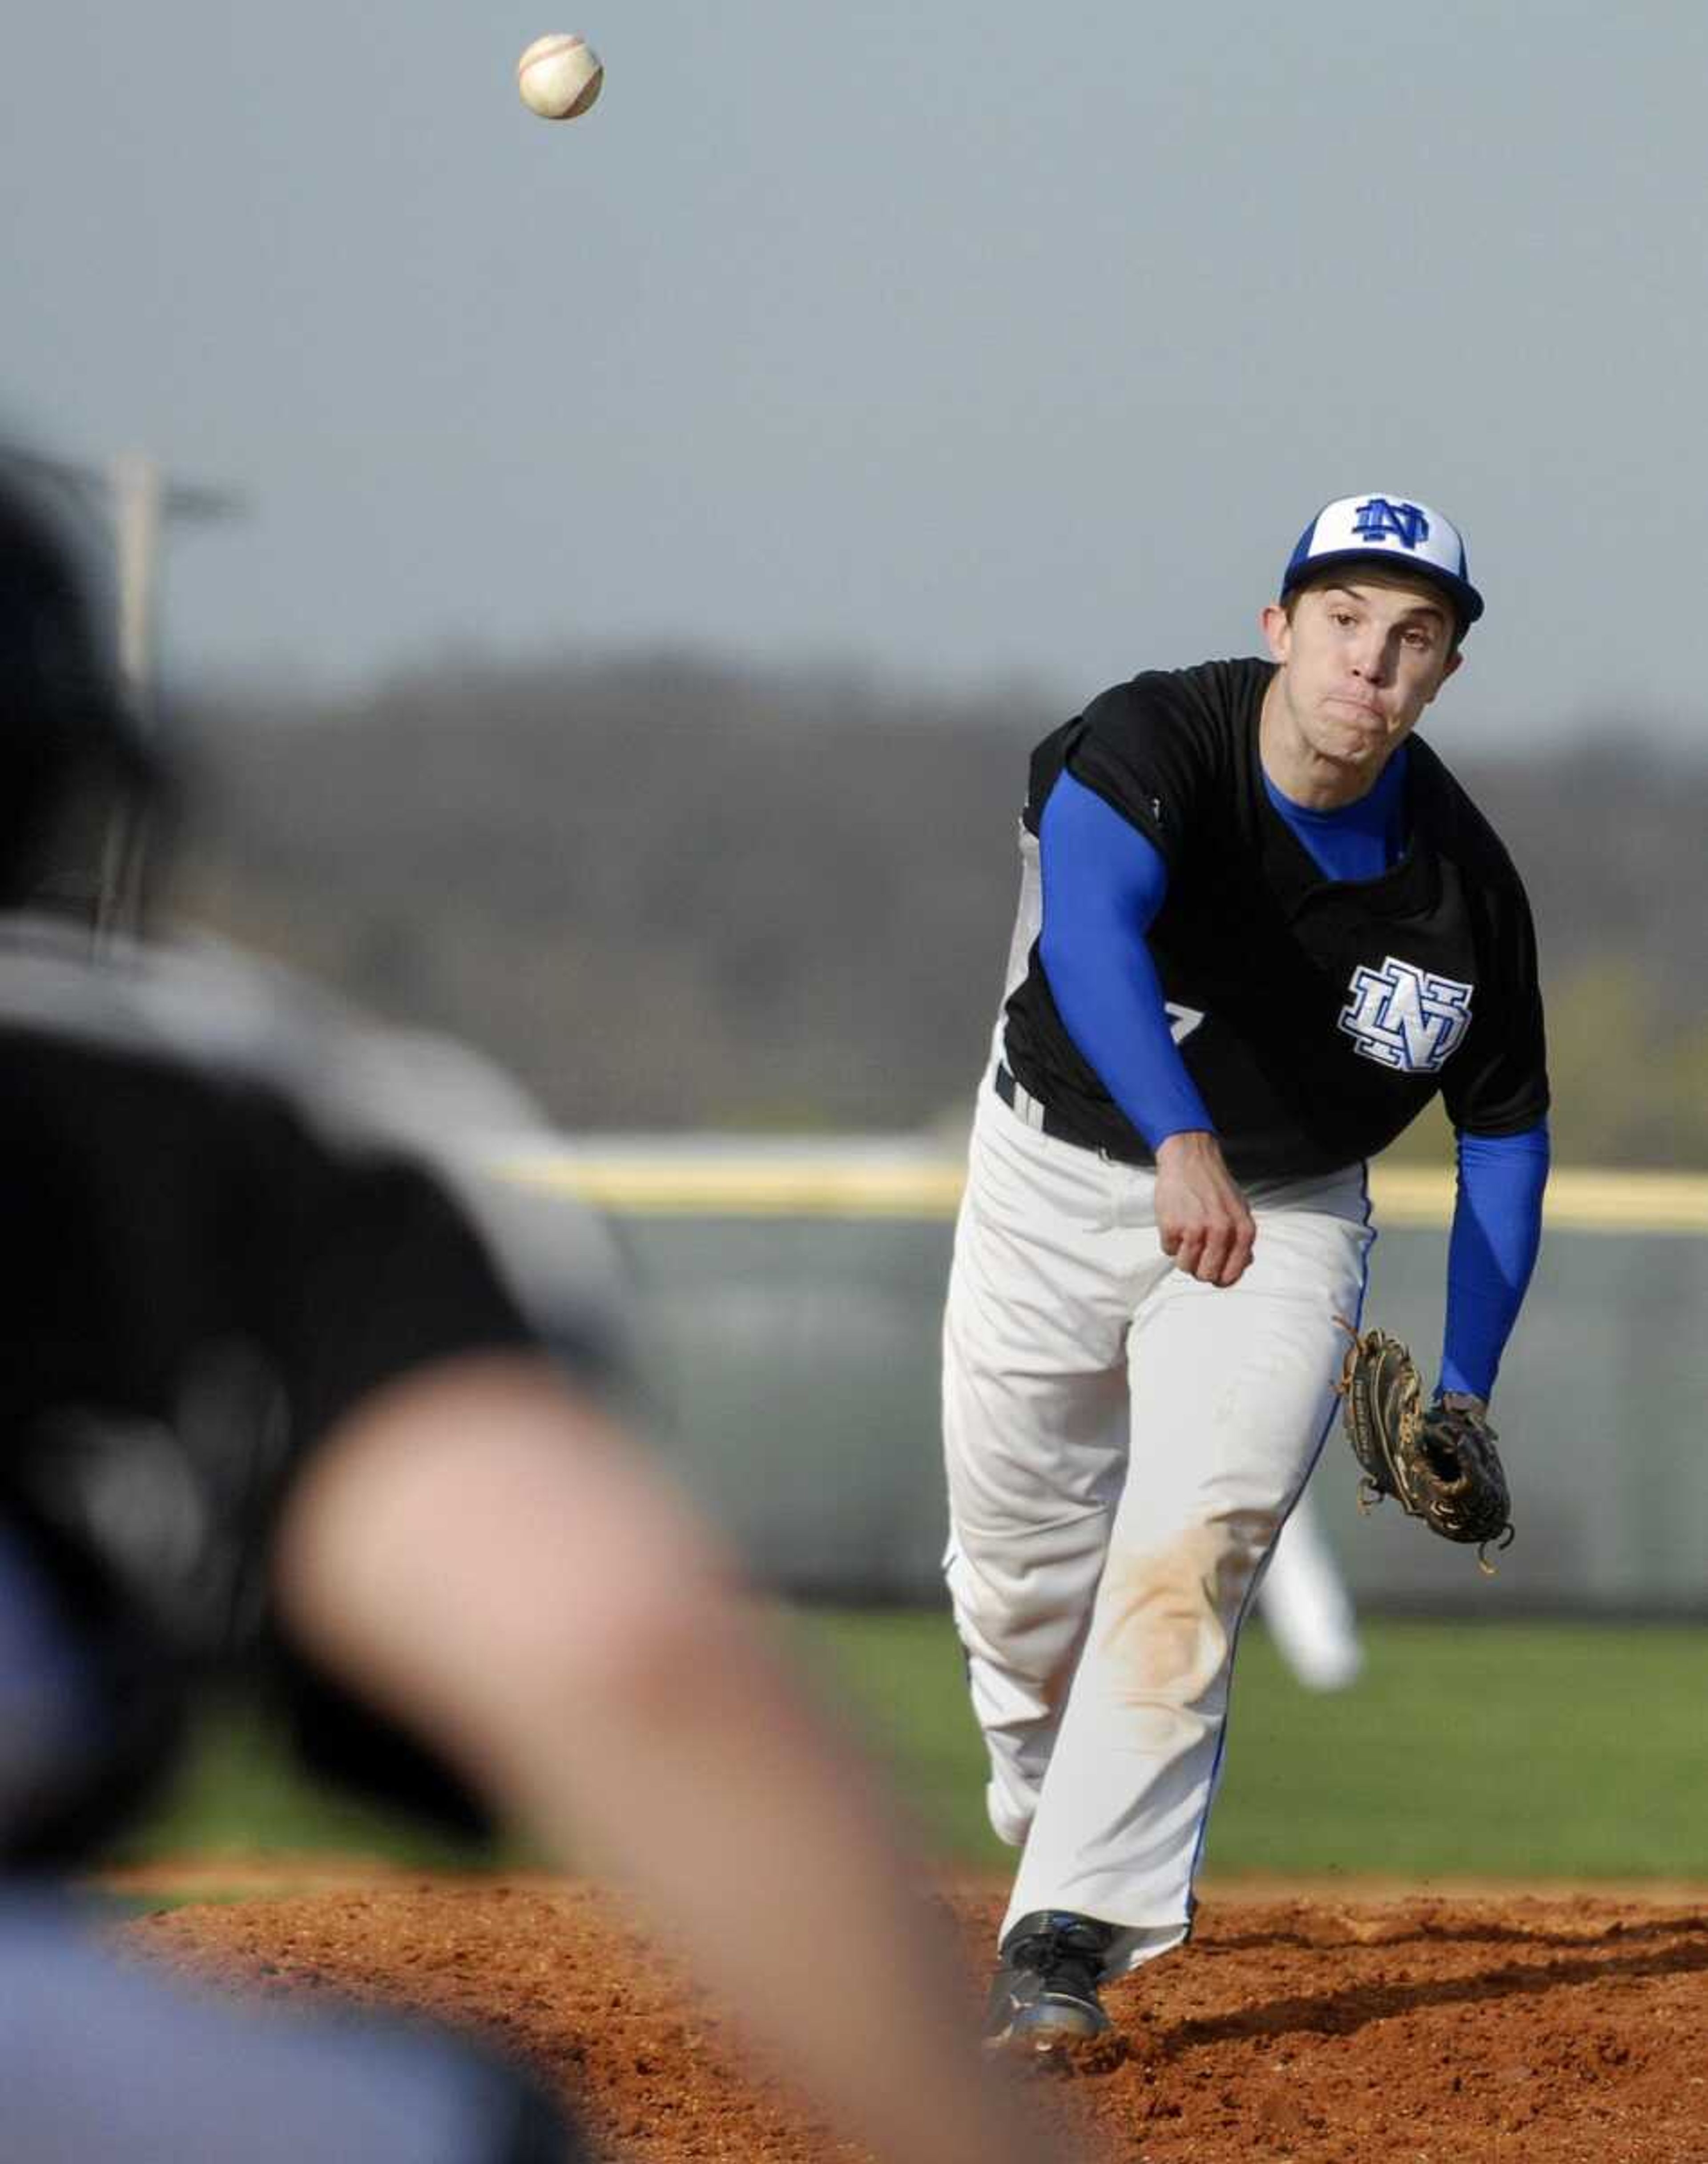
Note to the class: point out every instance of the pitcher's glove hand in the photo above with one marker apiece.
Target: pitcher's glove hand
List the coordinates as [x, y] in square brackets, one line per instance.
[1439, 1461]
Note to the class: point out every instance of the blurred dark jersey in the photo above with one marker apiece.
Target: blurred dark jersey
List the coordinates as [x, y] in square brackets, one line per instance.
[233, 1211]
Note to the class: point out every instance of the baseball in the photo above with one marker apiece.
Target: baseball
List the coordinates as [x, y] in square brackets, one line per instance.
[560, 77]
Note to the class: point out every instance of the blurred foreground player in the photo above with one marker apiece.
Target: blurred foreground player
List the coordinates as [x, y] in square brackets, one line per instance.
[266, 1392]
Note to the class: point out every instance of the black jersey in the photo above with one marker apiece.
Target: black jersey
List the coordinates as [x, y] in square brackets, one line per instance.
[228, 1224]
[1316, 1017]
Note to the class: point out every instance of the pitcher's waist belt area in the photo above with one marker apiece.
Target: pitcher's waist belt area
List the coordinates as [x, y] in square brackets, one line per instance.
[1036, 1114]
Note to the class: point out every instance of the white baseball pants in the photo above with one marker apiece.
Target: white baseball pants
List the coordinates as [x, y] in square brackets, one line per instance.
[1124, 1444]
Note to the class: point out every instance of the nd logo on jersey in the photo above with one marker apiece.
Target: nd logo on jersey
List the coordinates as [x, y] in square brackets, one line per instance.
[1403, 1017]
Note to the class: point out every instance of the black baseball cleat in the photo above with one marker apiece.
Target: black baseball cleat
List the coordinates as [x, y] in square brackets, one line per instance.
[1043, 1996]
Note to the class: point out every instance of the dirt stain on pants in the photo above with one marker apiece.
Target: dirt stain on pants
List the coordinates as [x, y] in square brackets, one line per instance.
[1166, 1619]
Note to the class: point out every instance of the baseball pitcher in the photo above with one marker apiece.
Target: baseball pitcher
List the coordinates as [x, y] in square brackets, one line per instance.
[1261, 927]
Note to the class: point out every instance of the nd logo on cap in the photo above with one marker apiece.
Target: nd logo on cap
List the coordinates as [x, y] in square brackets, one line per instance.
[1397, 529]
[1376, 519]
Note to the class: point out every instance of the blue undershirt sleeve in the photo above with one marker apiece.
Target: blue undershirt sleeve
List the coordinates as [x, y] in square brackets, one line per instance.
[1103, 885]
[1496, 1232]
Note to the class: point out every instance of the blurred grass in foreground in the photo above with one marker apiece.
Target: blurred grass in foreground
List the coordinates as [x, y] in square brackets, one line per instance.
[1524, 1750]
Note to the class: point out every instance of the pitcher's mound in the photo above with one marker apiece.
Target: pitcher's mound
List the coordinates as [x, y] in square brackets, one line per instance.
[1572, 2028]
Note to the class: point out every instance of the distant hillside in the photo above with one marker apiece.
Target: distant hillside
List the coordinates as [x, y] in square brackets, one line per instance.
[666, 891]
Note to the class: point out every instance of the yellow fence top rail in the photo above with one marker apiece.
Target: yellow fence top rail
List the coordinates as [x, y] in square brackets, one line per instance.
[864, 1181]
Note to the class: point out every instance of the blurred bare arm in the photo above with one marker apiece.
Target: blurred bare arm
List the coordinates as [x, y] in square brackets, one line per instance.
[490, 1558]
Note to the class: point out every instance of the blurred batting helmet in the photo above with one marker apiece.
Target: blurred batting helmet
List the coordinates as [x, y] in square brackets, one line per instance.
[71, 755]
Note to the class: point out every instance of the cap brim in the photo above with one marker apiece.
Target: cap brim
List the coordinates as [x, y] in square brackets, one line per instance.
[1467, 602]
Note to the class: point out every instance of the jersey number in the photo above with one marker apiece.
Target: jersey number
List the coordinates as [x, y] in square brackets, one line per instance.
[1182, 1021]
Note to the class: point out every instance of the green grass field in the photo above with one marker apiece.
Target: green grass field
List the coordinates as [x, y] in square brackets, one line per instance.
[1514, 1750]
[1542, 1751]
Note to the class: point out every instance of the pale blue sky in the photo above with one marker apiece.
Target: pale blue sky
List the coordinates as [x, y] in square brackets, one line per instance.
[955, 338]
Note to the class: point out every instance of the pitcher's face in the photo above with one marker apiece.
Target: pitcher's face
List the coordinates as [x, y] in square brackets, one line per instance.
[1359, 661]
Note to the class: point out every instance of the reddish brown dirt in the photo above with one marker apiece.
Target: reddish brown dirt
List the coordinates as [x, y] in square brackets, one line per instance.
[1329, 2030]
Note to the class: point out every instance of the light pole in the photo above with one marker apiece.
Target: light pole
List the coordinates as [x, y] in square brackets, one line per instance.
[137, 502]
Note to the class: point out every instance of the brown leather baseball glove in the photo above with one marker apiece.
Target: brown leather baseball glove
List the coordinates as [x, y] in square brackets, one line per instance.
[1439, 1461]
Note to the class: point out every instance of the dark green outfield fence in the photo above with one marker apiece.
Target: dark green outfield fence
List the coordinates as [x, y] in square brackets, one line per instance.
[791, 1300]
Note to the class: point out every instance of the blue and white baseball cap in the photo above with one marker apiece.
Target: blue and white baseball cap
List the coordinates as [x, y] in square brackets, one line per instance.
[1396, 530]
